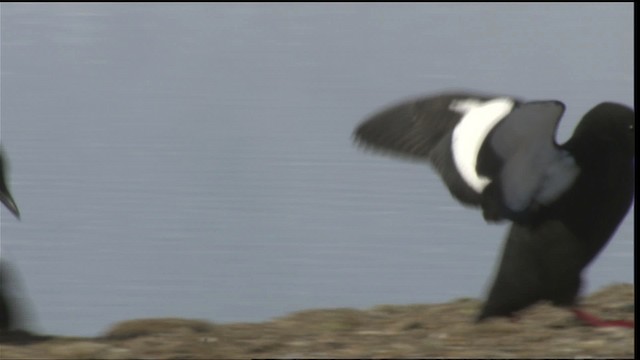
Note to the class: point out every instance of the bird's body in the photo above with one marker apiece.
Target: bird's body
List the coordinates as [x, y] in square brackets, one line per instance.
[7, 307]
[499, 153]
[543, 259]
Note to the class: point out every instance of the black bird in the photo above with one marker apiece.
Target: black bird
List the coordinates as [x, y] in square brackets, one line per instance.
[7, 309]
[12, 313]
[499, 153]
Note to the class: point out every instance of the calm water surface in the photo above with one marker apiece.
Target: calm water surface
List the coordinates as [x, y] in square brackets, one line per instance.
[195, 160]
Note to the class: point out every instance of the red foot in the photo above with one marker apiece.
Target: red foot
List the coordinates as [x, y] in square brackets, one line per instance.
[596, 321]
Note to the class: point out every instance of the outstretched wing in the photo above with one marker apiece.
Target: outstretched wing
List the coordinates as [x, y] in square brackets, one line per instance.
[411, 129]
[496, 152]
[422, 129]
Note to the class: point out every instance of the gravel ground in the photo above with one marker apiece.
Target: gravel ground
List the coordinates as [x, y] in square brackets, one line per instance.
[384, 331]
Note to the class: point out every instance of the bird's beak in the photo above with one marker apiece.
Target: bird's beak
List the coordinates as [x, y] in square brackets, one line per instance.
[7, 200]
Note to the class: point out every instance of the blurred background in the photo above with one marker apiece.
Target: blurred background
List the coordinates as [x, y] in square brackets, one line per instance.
[196, 161]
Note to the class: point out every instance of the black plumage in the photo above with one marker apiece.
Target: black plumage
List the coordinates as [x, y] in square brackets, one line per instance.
[564, 201]
[7, 308]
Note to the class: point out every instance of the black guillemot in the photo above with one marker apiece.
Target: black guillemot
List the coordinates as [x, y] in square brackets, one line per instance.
[499, 153]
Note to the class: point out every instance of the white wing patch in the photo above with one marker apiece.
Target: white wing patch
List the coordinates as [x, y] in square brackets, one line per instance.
[478, 120]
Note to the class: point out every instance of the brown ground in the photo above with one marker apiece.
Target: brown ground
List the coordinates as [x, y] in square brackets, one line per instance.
[385, 331]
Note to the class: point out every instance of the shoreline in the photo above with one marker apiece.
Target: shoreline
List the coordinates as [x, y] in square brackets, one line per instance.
[416, 330]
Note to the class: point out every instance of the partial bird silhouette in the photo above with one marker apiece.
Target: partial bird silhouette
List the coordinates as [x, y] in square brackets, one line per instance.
[8, 309]
[11, 313]
[499, 153]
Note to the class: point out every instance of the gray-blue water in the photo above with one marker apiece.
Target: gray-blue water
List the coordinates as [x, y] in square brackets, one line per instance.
[195, 160]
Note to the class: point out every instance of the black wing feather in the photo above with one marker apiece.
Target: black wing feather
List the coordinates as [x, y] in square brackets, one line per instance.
[421, 129]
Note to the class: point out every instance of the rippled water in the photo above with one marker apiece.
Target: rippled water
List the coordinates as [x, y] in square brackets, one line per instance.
[195, 160]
